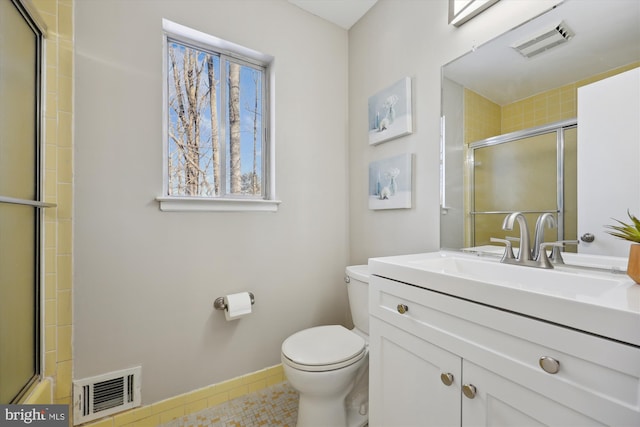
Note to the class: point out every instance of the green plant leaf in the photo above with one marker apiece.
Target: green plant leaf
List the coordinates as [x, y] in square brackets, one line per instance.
[625, 231]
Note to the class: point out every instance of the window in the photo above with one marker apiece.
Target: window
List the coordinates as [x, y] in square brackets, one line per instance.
[21, 38]
[218, 149]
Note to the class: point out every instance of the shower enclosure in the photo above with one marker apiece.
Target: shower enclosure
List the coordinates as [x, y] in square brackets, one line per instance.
[531, 171]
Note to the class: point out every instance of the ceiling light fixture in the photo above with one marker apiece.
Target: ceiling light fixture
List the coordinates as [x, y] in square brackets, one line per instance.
[460, 11]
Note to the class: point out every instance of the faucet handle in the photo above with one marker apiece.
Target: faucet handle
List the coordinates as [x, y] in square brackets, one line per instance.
[556, 254]
[543, 258]
[508, 250]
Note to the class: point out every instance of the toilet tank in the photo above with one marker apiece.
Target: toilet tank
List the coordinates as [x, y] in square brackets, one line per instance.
[358, 289]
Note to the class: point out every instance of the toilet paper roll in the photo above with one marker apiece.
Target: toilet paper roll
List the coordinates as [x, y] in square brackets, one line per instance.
[238, 305]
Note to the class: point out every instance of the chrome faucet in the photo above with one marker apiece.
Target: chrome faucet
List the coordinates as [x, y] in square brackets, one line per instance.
[524, 254]
[535, 256]
[545, 218]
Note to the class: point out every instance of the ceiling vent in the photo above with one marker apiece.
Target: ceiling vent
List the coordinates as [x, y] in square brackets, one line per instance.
[547, 39]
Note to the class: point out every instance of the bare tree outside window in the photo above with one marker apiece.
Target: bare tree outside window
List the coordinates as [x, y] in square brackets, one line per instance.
[213, 119]
[209, 156]
[234, 127]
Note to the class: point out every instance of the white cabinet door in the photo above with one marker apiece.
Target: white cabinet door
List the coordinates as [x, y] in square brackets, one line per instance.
[501, 402]
[406, 389]
[608, 159]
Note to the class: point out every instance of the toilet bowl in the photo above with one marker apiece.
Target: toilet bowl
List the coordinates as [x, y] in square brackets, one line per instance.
[328, 365]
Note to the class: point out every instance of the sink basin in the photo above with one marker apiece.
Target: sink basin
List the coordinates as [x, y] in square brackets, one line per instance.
[604, 303]
[567, 283]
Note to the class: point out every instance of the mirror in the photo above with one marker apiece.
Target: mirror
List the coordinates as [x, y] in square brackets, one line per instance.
[518, 93]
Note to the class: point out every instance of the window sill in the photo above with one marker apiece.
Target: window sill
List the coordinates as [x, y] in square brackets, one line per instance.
[197, 204]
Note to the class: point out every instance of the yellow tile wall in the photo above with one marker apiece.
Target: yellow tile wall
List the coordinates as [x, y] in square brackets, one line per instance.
[551, 106]
[481, 117]
[484, 118]
[194, 401]
[58, 165]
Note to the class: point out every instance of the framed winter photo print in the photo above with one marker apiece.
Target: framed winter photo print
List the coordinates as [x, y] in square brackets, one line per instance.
[390, 112]
[390, 183]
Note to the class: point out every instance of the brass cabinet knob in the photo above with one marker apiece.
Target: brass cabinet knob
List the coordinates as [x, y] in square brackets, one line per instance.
[446, 378]
[402, 308]
[549, 364]
[469, 390]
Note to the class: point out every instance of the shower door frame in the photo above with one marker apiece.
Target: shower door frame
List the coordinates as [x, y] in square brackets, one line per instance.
[559, 128]
[34, 22]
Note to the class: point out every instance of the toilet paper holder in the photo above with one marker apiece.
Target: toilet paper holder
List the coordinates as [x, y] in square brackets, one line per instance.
[219, 304]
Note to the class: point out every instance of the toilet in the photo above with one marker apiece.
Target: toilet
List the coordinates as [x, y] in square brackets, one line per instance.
[329, 365]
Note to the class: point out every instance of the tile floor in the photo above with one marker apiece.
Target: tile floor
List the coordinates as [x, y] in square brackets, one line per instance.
[274, 406]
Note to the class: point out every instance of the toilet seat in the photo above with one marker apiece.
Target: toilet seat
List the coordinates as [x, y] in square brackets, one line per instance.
[323, 348]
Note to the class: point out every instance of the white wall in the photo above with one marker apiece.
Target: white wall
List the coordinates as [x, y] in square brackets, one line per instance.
[144, 280]
[400, 38]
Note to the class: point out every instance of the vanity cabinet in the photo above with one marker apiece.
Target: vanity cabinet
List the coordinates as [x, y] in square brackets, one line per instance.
[440, 360]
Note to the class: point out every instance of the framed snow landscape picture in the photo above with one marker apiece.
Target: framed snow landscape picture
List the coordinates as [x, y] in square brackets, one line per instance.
[390, 183]
[390, 112]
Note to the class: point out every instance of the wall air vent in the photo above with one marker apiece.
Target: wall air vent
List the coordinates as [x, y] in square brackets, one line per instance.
[106, 394]
[545, 40]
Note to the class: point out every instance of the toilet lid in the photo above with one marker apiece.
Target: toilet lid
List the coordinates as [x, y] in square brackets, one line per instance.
[323, 345]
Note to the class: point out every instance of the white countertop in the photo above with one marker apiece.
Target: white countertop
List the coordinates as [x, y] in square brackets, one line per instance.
[612, 310]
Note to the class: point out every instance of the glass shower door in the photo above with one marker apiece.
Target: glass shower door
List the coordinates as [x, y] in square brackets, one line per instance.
[533, 174]
[20, 116]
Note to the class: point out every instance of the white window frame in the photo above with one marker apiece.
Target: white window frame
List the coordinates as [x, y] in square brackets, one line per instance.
[269, 203]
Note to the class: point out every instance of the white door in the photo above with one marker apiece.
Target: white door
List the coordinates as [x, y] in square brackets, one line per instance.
[406, 389]
[608, 159]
